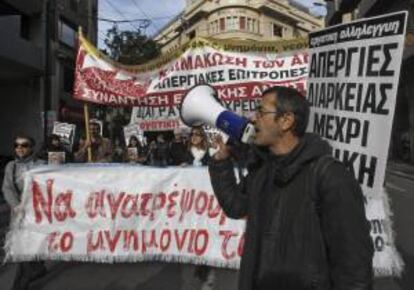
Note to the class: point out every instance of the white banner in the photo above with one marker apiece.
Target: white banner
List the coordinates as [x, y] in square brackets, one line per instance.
[120, 213]
[156, 91]
[239, 79]
[66, 132]
[352, 87]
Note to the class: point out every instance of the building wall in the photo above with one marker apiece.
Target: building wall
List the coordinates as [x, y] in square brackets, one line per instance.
[240, 19]
[23, 82]
[21, 108]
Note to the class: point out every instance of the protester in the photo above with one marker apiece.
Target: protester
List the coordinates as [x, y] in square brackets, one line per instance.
[101, 147]
[178, 149]
[306, 224]
[159, 152]
[25, 159]
[135, 151]
[54, 145]
[198, 147]
[12, 188]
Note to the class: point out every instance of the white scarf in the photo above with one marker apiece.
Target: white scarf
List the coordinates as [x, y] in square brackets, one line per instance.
[198, 154]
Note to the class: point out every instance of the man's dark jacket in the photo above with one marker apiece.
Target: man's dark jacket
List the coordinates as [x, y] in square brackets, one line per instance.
[305, 229]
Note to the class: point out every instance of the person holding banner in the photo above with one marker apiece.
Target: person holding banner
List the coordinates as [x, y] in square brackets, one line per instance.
[135, 151]
[101, 147]
[306, 224]
[55, 146]
[12, 188]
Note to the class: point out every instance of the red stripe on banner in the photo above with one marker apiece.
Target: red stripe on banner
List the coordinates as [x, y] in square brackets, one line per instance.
[232, 92]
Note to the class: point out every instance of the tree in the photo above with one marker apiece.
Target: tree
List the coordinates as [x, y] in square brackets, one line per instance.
[130, 47]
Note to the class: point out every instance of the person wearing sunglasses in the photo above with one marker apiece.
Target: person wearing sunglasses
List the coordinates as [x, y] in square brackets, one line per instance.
[24, 160]
[306, 224]
[12, 188]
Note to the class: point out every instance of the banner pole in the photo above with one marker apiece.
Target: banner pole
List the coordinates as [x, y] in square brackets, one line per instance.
[88, 136]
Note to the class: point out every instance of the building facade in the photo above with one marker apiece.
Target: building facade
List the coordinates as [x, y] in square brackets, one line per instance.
[238, 19]
[37, 59]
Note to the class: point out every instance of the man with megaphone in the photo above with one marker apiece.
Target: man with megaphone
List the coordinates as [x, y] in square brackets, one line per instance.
[306, 224]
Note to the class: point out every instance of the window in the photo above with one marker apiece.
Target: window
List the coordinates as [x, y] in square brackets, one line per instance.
[277, 30]
[232, 22]
[242, 23]
[67, 34]
[252, 25]
[68, 78]
[249, 24]
[192, 34]
[222, 24]
[214, 27]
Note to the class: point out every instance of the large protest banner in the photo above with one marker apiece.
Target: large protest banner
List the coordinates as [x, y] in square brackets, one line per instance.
[156, 90]
[121, 213]
[352, 88]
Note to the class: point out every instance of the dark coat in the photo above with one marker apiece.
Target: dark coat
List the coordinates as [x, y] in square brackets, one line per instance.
[304, 231]
[178, 153]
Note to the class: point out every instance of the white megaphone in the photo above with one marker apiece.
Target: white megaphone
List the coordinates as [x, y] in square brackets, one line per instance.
[200, 106]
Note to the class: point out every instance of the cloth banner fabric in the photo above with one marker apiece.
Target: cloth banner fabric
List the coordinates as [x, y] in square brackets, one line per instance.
[156, 94]
[123, 213]
[352, 88]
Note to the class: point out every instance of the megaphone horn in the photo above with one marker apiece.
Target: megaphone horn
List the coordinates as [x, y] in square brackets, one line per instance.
[200, 106]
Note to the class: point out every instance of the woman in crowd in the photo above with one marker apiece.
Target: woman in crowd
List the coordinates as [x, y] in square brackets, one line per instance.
[135, 151]
[198, 147]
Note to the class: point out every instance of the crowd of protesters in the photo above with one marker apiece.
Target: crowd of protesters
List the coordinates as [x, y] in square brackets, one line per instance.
[186, 148]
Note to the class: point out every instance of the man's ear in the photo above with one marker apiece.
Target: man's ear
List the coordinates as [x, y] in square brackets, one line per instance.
[288, 121]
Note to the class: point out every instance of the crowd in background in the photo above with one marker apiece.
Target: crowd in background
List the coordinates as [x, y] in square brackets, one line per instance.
[185, 148]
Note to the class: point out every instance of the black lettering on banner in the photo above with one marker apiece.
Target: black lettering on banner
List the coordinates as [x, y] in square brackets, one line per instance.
[373, 60]
[365, 172]
[377, 233]
[372, 63]
[377, 226]
[161, 110]
[385, 72]
[341, 129]
[352, 97]
[179, 81]
[362, 61]
[379, 244]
